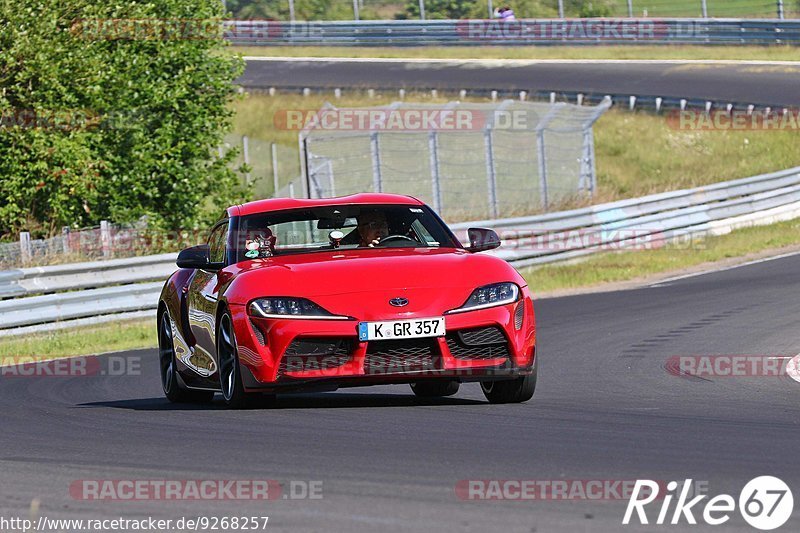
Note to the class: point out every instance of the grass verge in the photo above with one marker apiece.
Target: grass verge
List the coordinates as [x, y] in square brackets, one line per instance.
[733, 53]
[86, 340]
[614, 267]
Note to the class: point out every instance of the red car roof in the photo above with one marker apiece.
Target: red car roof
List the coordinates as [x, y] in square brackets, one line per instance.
[278, 204]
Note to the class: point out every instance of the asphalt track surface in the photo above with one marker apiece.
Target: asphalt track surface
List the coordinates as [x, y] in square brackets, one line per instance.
[761, 84]
[606, 409]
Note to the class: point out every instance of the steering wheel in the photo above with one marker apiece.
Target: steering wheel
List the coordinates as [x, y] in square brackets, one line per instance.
[395, 241]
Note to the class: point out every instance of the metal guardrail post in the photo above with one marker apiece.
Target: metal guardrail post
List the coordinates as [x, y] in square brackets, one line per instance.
[630, 8]
[65, 239]
[105, 237]
[704, 5]
[781, 14]
[421, 9]
[25, 246]
[291, 10]
[355, 10]
[561, 9]
[375, 152]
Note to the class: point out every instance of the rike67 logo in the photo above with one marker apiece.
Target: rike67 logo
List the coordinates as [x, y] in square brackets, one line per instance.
[766, 503]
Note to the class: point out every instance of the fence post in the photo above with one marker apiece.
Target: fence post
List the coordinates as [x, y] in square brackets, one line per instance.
[542, 167]
[25, 246]
[561, 9]
[291, 10]
[541, 155]
[375, 152]
[491, 176]
[421, 9]
[105, 237]
[355, 10]
[275, 182]
[331, 179]
[630, 8]
[781, 14]
[433, 149]
[65, 239]
[587, 178]
[704, 4]
[246, 155]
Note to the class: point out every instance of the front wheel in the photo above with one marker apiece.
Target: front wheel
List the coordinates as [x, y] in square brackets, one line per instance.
[230, 374]
[169, 375]
[434, 389]
[512, 390]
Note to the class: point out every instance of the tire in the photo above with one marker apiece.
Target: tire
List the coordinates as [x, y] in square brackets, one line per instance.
[434, 389]
[517, 390]
[230, 375]
[169, 375]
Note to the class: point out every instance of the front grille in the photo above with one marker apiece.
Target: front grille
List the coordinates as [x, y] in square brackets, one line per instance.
[478, 343]
[315, 354]
[398, 356]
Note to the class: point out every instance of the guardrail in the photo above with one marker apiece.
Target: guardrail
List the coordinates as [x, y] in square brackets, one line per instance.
[116, 289]
[519, 32]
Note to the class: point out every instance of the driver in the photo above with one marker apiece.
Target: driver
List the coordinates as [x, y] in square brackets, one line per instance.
[372, 227]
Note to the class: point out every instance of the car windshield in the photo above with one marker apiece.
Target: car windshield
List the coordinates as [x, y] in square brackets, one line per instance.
[343, 227]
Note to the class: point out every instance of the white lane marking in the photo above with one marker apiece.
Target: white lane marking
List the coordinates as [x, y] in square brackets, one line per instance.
[511, 62]
[668, 281]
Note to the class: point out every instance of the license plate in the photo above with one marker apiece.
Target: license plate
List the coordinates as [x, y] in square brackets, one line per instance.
[401, 329]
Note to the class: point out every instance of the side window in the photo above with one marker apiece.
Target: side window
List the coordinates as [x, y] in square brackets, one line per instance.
[216, 243]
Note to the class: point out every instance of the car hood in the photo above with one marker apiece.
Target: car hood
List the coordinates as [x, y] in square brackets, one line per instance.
[357, 279]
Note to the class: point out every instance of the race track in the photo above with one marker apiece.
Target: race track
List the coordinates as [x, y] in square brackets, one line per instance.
[606, 409]
[761, 84]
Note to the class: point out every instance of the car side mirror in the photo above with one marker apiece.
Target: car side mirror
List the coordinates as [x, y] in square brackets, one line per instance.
[482, 239]
[197, 257]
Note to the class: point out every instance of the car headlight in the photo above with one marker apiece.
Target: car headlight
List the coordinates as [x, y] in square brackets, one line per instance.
[490, 296]
[290, 308]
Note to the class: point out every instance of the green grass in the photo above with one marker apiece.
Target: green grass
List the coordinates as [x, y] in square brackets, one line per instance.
[623, 266]
[734, 53]
[88, 340]
[637, 153]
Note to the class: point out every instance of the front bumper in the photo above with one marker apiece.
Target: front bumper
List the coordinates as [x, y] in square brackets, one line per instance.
[267, 351]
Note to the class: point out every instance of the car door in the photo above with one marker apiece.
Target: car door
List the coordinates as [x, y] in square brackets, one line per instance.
[202, 306]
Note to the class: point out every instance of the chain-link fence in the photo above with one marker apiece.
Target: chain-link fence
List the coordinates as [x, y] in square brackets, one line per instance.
[271, 166]
[468, 161]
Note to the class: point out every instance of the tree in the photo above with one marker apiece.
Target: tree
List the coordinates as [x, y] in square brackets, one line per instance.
[113, 110]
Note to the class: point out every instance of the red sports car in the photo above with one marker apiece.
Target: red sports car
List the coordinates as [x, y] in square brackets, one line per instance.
[298, 295]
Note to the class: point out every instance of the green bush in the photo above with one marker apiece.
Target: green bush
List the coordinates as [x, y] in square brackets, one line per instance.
[105, 120]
